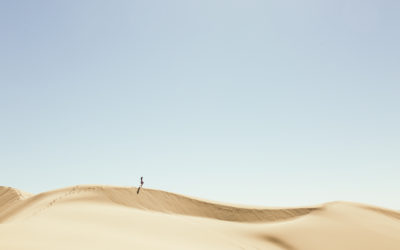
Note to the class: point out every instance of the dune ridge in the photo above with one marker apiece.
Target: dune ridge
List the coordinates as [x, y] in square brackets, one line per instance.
[150, 199]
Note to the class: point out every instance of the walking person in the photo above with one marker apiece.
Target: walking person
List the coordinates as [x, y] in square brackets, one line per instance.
[141, 185]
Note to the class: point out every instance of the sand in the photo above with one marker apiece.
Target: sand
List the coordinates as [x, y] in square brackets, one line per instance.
[108, 217]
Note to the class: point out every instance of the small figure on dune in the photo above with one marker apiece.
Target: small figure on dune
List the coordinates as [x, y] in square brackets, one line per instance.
[141, 185]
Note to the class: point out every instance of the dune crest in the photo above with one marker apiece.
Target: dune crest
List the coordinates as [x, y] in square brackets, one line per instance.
[147, 199]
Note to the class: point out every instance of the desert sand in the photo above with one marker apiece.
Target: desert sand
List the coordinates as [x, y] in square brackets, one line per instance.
[108, 217]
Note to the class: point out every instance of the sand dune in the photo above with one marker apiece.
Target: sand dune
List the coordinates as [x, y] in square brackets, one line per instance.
[106, 217]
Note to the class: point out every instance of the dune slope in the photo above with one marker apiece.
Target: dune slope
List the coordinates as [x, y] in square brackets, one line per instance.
[106, 217]
[148, 199]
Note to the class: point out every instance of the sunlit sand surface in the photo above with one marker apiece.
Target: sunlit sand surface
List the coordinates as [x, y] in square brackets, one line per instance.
[108, 217]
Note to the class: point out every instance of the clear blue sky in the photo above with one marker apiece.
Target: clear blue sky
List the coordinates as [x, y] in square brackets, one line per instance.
[270, 103]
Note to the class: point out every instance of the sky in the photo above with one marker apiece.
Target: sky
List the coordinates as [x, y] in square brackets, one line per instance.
[271, 103]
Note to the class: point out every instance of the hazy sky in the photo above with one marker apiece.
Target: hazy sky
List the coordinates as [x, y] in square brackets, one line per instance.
[270, 103]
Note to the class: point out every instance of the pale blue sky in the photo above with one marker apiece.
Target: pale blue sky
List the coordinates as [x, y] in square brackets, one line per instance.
[270, 103]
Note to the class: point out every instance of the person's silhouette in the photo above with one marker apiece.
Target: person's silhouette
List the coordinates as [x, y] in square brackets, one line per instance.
[141, 185]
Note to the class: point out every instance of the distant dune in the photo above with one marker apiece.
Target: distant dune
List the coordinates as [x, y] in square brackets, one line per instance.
[107, 217]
